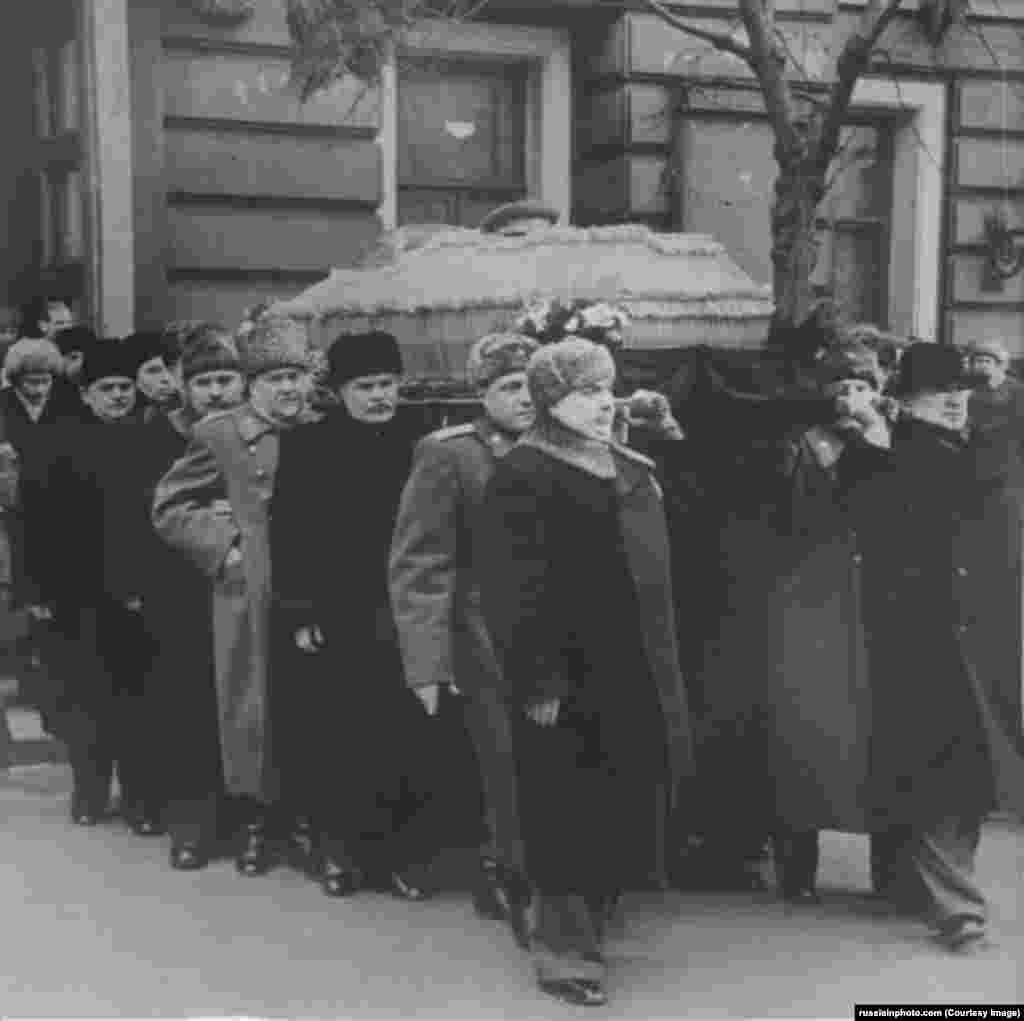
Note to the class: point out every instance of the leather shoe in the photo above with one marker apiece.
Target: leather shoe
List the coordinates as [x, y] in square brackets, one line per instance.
[145, 826]
[800, 895]
[580, 992]
[84, 817]
[188, 857]
[340, 880]
[255, 858]
[407, 886]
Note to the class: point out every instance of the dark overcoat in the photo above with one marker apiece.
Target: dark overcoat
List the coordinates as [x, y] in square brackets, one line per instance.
[578, 600]
[90, 568]
[345, 715]
[177, 607]
[939, 528]
[815, 696]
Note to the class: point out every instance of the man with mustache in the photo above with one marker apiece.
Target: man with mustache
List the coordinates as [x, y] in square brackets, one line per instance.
[181, 686]
[92, 577]
[938, 528]
[212, 506]
[354, 738]
[435, 592]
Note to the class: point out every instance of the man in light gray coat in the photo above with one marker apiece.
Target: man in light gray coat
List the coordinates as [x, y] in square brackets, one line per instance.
[212, 506]
[436, 598]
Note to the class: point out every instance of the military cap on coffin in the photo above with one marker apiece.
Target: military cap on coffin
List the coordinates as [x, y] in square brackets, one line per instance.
[515, 216]
[363, 354]
[273, 343]
[106, 359]
[930, 366]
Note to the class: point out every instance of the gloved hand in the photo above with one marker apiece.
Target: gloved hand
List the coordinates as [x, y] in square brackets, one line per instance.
[309, 638]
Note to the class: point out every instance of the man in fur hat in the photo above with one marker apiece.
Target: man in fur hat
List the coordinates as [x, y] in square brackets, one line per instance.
[939, 530]
[356, 740]
[435, 594]
[177, 601]
[212, 506]
[154, 378]
[92, 577]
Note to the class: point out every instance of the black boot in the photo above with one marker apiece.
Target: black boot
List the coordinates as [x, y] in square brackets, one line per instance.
[796, 866]
[255, 858]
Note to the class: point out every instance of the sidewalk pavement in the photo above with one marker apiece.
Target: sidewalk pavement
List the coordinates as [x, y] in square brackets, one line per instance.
[97, 925]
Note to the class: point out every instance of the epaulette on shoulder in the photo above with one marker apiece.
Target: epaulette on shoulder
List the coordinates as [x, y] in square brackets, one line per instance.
[453, 432]
[634, 455]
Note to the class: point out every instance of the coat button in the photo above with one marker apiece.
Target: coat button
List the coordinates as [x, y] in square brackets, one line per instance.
[961, 572]
[857, 558]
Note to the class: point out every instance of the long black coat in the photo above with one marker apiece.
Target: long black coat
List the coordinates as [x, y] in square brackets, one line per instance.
[87, 547]
[939, 527]
[578, 599]
[176, 602]
[345, 715]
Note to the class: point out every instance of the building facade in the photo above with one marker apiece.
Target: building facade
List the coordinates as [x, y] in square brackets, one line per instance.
[160, 166]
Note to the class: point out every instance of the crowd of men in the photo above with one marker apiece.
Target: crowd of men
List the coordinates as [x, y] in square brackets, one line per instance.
[297, 628]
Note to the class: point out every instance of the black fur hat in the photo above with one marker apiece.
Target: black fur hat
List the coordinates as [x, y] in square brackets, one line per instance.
[363, 354]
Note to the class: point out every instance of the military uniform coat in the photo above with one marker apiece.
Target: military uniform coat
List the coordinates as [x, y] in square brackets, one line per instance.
[435, 593]
[232, 456]
[435, 585]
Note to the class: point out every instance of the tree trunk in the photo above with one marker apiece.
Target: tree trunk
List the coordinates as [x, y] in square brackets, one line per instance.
[798, 192]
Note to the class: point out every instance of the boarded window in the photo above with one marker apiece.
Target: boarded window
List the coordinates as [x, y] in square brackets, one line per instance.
[462, 140]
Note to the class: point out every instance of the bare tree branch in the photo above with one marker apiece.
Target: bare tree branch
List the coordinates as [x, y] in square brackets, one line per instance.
[852, 63]
[720, 41]
[769, 66]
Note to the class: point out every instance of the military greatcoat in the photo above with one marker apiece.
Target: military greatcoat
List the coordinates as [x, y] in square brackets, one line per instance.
[214, 497]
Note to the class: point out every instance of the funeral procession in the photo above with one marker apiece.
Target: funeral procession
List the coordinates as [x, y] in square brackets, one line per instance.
[509, 507]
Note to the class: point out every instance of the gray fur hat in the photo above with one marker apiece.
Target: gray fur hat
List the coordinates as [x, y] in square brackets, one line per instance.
[497, 355]
[272, 343]
[32, 354]
[556, 370]
[209, 350]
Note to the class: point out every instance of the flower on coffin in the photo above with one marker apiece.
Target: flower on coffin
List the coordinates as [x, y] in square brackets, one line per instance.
[549, 320]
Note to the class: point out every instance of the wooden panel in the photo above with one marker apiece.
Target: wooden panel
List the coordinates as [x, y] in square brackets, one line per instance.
[222, 303]
[648, 191]
[730, 176]
[232, 87]
[998, 105]
[990, 164]
[229, 163]
[267, 239]
[602, 190]
[968, 272]
[611, 55]
[969, 218]
[650, 118]
[601, 119]
[1006, 325]
[267, 26]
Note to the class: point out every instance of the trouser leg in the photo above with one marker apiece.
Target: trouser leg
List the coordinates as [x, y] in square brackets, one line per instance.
[796, 860]
[92, 767]
[489, 728]
[195, 821]
[566, 939]
[943, 856]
